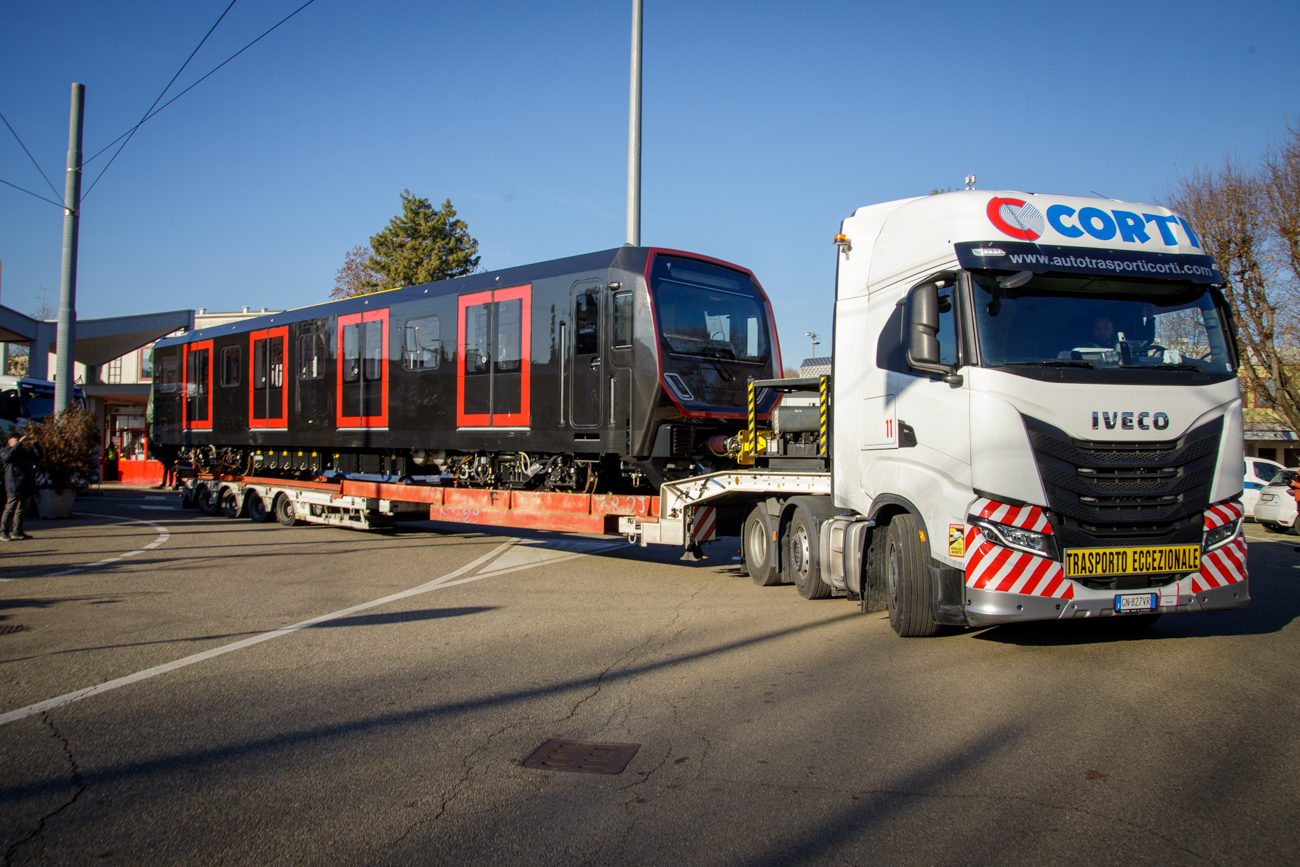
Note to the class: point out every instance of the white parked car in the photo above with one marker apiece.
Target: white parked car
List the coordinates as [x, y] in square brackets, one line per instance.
[1276, 509]
[1259, 472]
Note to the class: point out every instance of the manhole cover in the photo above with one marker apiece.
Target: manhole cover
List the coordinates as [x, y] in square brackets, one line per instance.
[581, 758]
[6, 628]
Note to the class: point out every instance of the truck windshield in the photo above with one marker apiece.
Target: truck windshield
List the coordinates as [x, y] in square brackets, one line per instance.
[1099, 322]
[706, 311]
[37, 402]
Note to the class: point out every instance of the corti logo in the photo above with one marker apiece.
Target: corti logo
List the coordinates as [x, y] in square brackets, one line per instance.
[1016, 218]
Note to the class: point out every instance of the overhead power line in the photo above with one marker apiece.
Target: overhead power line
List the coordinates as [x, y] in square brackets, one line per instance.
[154, 112]
[29, 156]
[155, 102]
[30, 193]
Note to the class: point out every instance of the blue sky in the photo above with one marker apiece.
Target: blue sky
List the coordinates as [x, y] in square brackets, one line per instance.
[765, 125]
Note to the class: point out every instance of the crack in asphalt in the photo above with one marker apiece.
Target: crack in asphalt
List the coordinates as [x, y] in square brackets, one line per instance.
[77, 781]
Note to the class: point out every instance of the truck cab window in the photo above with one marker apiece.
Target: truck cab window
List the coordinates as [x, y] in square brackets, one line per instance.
[948, 326]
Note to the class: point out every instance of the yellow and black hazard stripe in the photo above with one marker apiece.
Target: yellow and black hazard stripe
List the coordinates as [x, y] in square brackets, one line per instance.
[822, 405]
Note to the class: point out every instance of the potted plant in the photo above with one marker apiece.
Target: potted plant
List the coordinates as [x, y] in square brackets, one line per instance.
[65, 458]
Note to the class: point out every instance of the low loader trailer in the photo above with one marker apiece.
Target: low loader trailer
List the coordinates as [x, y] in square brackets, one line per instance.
[1032, 413]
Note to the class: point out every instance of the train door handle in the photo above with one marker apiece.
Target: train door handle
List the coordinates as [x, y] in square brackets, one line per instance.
[595, 362]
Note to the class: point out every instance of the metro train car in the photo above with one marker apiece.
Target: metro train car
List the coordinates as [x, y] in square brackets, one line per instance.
[614, 370]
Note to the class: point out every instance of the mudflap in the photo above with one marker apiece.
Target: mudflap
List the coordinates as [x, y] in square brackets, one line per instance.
[947, 595]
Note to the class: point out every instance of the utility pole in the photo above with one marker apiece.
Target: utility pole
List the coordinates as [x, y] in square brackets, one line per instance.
[65, 334]
[815, 342]
[634, 135]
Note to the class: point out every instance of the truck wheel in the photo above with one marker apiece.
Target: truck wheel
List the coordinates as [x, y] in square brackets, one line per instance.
[204, 500]
[231, 506]
[908, 579]
[256, 509]
[801, 564]
[761, 558]
[284, 511]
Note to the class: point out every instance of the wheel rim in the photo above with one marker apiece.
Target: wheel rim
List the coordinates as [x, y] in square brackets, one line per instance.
[892, 574]
[799, 553]
[757, 544]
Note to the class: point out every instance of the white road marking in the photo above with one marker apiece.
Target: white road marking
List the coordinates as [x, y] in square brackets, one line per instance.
[567, 552]
[163, 535]
[87, 692]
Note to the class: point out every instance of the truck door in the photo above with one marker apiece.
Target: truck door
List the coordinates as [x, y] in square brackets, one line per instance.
[586, 397]
[933, 416]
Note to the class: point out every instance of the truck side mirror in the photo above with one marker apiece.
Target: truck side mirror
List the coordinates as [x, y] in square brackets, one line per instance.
[921, 323]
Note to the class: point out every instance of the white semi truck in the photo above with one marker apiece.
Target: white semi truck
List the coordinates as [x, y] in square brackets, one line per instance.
[1033, 414]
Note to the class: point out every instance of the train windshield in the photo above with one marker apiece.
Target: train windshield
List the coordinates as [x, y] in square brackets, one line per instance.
[706, 311]
[1100, 322]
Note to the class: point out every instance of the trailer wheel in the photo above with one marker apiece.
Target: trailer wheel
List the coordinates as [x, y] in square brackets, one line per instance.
[255, 508]
[204, 500]
[761, 560]
[284, 511]
[802, 555]
[908, 579]
[231, 506]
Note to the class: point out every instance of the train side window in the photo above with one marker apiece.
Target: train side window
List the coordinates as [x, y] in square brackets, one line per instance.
[586, 329]
[230, 362]
[423, 344]
[622, 320]
[167, 376]
[311, 356]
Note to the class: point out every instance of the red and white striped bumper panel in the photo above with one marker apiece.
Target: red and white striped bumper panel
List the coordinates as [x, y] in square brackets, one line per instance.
[992, 567]
[1226, 565]
[705, 527]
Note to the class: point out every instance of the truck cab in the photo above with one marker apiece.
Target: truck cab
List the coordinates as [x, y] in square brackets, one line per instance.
[1043, 390]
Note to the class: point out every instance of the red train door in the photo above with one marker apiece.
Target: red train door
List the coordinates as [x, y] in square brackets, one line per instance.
[363, 370]
[493, 382]
[197, 384]
[268, 393]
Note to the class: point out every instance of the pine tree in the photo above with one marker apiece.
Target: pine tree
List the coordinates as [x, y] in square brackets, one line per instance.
[421, 245]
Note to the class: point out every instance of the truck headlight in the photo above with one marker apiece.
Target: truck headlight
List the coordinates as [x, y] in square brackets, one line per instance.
[1029, 541]
[1220, 536]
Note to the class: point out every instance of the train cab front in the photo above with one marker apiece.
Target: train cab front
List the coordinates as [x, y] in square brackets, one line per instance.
[715, 333]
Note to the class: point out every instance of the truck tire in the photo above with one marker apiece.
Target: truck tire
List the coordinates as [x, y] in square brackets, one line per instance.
[204, 500]
[908, 579]
[231, 505]
[255, 508]
[801, 555]
[284, 511]
[761, 553]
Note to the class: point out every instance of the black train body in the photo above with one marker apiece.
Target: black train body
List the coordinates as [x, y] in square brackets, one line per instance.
[612, 370]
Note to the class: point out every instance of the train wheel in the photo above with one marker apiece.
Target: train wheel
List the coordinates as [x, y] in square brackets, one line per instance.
[801, 556]
[204, 500]
[284, 511]
[908, 579]
[231, 506]
[761, 553]
[255, 508]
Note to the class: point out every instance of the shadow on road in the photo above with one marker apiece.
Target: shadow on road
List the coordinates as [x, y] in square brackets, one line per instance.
[402, 616]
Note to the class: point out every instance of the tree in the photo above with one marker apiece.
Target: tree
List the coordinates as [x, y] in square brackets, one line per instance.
[419, 245]
[1249, 221]
[355, 276]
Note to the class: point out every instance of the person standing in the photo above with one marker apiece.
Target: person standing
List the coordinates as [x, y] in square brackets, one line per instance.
[20, 483]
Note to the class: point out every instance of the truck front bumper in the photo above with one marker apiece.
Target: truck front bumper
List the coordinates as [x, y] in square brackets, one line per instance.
[990, 607]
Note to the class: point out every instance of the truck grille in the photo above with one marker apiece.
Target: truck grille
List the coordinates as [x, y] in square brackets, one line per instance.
[1126, 494]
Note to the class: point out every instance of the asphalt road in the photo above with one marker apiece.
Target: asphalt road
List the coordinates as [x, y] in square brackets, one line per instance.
[771, 730]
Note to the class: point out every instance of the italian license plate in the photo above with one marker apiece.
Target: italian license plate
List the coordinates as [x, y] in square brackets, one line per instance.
[1141, 602]
[1088, 562]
